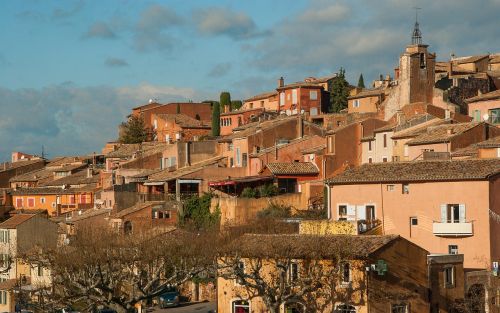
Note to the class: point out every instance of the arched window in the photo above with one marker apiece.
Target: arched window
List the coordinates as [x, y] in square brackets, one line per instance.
[345, 308]
[240, 306]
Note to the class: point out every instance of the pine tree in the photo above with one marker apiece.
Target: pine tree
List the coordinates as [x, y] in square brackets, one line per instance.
[216, 119]
[361, 81]
[225, 101]
[340, 92]
[133, 131]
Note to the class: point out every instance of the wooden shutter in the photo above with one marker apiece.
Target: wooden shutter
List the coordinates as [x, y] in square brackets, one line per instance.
[351, 212]
[443, 213]
[461, 212]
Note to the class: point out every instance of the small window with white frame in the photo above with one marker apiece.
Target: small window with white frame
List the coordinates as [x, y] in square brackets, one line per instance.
[355, 103]
[390, 187]
[453, 249]
[313, 95]
[449, 277]
[293, 271]
[342, 210]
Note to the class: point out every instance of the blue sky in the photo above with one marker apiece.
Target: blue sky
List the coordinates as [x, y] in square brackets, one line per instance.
[71, 70]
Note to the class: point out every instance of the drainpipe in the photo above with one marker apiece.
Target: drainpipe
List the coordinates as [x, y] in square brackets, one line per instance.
[328, 201]
[188, 157]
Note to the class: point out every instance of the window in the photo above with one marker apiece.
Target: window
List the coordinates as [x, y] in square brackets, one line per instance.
[385, 140]
[39, 270]
[384, 160]
[19, 203]
[167, 138]
[413, 221]
[83, 199]
[238, 156]
[477, 116]
[449, 277]
[344, 308]
[390, 187]
[342, 210]
[331, 144]
[395, 158]
[241, 306]
[453, 213]
[244, 159]
[42, 200]
[4, 236]
[294, 96]
[370, 160]
[4, 260]
[282, 99]
[313, 95]
[72, 199]
[262, 104]
[173, 161]
[494, 116]
[155, 124]
[230, 146]
[346, 273]
[406, 188]
[406, 151]
[395, 142]
[293, 272]
[399, 308]
[370, 145]
[231, 162]
[453, 249]
[31, 202]
[355, 103]
[3, 297]
[422, 60]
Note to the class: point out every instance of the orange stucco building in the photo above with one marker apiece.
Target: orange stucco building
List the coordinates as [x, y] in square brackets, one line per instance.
[443, 206]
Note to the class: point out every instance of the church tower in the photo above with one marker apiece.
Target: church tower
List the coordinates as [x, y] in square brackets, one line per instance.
[416, 71]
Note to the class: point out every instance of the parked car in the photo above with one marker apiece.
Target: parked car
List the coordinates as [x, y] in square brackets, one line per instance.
[169, 299]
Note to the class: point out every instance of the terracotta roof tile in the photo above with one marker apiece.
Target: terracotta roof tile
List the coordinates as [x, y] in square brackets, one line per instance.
[183, 120]
[368, 93]
[442, 133]
[264, 95]
[470, 59]
[167, 174]
[292, 168]
[306, 246]
[485, 96]
[454, 170]
[15, 221]
[490, 143]
[137, 207]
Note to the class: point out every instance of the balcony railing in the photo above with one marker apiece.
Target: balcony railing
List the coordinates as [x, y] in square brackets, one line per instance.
[452, 229]
[366, 225]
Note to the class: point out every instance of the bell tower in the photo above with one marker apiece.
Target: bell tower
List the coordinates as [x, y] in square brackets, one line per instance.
[416, 70]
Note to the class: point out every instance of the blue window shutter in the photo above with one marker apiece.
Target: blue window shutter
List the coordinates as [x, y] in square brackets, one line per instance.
[461, 212]
[443, 213]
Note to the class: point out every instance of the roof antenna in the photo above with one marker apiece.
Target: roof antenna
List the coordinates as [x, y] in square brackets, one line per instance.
[416, 38]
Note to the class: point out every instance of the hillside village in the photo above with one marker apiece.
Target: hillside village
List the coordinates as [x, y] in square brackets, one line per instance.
[390, 204]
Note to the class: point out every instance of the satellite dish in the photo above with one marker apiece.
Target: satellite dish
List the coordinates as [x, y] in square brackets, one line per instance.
[150, 101]
[486, 117]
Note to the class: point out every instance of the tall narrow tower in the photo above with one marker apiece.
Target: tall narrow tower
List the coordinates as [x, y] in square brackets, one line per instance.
[416, 70]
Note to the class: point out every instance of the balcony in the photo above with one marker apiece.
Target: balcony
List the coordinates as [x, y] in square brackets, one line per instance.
[452, 229]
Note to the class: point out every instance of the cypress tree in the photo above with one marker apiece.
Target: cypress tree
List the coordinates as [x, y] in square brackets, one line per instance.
[340, 93]
[216, 119]
[361, 81]
[225, 101]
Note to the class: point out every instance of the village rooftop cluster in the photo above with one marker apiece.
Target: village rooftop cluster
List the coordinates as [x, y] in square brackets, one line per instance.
[406, 177]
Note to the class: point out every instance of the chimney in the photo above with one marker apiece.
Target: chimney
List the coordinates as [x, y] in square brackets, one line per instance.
[281, 82]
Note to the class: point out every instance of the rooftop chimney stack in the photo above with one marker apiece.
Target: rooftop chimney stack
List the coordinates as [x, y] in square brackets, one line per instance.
[281, 82]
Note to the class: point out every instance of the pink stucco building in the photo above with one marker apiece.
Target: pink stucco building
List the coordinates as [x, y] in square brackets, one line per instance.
[485, 107]
[443, 206]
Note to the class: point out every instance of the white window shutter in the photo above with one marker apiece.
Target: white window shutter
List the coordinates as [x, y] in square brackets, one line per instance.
[461, 212]
[361, 212]
[443, 213]
[351, 212]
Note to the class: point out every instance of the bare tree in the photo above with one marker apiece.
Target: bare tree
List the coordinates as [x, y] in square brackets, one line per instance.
[285, 269]
[100, 268]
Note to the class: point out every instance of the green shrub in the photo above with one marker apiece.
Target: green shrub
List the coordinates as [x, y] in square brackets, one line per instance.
[268, 190]
[249, 192]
